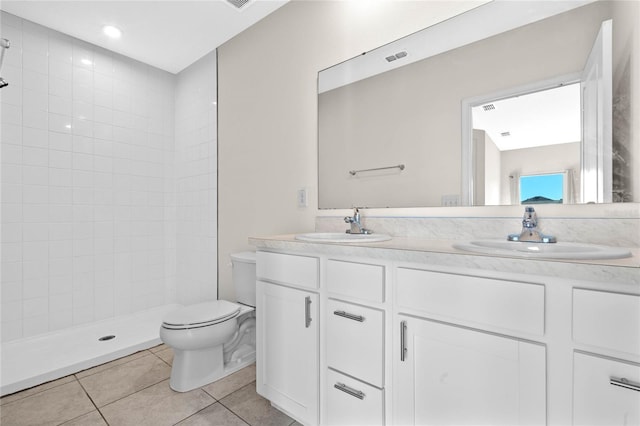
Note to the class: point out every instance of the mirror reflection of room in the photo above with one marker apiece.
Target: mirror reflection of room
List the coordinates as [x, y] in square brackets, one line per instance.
[419, 115]
[527, 148]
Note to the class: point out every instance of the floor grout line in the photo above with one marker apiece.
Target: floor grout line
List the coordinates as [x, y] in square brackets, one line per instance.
[160, 358]
[88, 396]
[228, 408]
[215, 400]
[113, 366]
[35, 392]
[139, 390]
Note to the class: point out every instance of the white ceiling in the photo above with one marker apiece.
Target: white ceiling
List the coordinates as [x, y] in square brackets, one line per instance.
[167, 34]
[550, 117]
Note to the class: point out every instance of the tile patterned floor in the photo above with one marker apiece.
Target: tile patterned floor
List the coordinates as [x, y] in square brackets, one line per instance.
[134, 390]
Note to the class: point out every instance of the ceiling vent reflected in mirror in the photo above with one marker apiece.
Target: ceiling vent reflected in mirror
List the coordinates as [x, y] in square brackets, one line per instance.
[398, 55]
[238, 4]
[552, 117]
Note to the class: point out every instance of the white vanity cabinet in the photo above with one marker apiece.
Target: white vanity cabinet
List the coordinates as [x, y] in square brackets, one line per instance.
[606, 381]
[354, 320]
[446, 372]
[287, 333]
[396, 342]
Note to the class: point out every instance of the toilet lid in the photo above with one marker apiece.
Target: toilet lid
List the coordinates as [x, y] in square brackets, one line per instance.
[201, 314]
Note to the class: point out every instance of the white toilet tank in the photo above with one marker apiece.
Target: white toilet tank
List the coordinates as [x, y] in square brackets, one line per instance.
[244, 277]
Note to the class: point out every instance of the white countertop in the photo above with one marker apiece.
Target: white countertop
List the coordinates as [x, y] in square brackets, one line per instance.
[443, 253]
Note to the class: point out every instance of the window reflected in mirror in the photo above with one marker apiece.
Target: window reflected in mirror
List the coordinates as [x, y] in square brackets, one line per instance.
[544, 188]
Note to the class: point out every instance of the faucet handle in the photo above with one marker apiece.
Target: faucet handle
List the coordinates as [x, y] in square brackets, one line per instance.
[530, 218]
[530, 232]
[351, 219]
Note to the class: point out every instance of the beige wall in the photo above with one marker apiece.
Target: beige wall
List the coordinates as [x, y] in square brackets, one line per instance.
[267, 80]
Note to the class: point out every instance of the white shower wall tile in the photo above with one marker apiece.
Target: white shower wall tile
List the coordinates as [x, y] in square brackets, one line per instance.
[195, 206]
[10, 311]
[11, 276]
[36, 325]
[60, 320]
[71, 169]
[11, 154]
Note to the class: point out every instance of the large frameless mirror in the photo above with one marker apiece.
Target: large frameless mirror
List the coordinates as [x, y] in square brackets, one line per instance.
[461, 113]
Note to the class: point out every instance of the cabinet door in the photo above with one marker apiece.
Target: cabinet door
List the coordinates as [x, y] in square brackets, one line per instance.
[605, 391]
[287, 349]
[451, 375]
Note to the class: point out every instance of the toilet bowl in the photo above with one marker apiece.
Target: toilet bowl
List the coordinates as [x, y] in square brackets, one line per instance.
[205, 335]
[197, 334]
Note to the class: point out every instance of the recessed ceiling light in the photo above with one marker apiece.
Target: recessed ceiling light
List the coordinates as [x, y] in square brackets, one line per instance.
[111, 31]
[85, 61]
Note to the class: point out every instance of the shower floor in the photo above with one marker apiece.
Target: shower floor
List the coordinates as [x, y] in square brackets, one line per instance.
[28, 362]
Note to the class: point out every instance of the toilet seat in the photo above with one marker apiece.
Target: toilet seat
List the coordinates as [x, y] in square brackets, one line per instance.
[201, 315]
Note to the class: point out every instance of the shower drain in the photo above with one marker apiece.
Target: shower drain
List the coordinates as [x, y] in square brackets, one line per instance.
[105, 338]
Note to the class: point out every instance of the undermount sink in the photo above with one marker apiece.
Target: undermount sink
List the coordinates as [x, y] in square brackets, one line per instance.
[342, 237]
[562, 250]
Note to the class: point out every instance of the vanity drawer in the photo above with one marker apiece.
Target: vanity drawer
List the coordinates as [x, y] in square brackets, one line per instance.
[351, 402]
[358, 280]
[605, 391]
[478, 301]
[354, 341]
[607, 320]
[301, 271]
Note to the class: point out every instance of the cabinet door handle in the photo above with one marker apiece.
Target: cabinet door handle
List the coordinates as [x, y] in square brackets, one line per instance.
[403, 345]
[307, 311]
[624, 383]
[344, 314]
[351, 391]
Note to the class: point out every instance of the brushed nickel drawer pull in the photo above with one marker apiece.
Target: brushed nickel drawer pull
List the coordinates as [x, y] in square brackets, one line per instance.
[307, 311]
[624, 383]
[346, 389]
[403, 345]
[347, 315]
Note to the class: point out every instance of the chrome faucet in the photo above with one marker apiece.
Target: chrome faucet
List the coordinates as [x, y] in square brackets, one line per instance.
[356, 226]
[530, 232]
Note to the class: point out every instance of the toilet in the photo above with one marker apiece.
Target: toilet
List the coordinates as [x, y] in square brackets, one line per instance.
[213, 339]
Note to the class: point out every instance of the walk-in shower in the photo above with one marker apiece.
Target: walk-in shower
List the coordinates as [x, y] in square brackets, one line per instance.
[4, 45]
